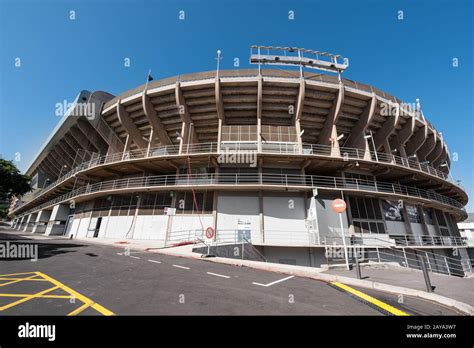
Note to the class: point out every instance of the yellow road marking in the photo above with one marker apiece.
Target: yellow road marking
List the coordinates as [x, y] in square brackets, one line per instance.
[42, 296]
[30, 297]
[18, 280]
[12, 274]
[77, 295]
[371, 299]
[80, 309]
[33, 279]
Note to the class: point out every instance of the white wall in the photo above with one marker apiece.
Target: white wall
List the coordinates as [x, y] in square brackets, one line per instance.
[232, 208]
[151, 227]
[284, 219]
[184, 227]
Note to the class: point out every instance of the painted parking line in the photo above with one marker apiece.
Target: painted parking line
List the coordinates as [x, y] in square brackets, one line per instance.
[178, 266]
[382, 305]
[120, 254]
[56, 285]
[154, 261]
[272, 283]
[218, 275]
[134, 257]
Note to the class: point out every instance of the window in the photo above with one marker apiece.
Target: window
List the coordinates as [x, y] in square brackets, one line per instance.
[413, 215]
[366, 215]
[428, 216]
[187, 203]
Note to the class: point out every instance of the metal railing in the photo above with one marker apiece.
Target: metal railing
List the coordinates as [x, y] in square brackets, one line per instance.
[428, 240]
[275, 148]
[386, 251]
[266, 179]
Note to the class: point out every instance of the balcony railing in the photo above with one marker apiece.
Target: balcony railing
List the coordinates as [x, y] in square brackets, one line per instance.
[249, 179]
[428, 240]
[270, 148]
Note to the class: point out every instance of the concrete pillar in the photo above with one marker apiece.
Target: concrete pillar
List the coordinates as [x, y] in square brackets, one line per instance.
[41, 220]
[27, 221]
[30, 222]
[335, 152]
[367, 155]
[57, 220]
[20, 223]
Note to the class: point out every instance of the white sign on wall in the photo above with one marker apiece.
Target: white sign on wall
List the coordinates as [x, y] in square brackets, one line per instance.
[169, 211]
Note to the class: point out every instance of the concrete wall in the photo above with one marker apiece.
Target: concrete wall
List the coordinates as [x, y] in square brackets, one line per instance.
[234, 211]
[41, 221]
[328, 220]
[284, 219]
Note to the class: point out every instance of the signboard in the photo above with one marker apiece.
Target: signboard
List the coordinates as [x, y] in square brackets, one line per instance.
[338, 205]
[209, 233]
[169, 211]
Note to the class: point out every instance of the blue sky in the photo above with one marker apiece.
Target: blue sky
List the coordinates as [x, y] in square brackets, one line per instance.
[409, 58]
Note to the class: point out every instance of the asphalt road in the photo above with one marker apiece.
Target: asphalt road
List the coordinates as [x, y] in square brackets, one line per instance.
[147, 283]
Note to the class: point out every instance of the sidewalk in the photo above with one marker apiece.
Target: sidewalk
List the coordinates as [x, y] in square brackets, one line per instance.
[461, 289]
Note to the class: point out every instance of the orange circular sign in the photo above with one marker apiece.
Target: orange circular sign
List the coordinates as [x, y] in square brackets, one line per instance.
[338, 205]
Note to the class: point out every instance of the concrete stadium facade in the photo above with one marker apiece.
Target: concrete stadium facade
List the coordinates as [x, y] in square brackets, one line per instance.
[258, 155]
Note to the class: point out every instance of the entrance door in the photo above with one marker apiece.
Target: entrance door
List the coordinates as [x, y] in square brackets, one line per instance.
[97, 227]
[67, 229]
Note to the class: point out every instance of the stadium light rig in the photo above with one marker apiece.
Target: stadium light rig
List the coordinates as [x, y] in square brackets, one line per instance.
[294, 56]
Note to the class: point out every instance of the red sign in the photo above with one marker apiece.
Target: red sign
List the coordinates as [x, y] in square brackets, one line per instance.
[338, 205]
[209, 233]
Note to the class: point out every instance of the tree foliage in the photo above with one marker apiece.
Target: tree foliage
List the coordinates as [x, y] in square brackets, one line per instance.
[12, 182]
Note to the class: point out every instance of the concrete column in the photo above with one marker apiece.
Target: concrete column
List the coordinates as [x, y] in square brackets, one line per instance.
[31, 222]
[367, 155]
[21, 223]
[41, 219]
[435, 221]
[335, 151]
[423, 220]
[406, 220]
[57, 220]
[28, 218]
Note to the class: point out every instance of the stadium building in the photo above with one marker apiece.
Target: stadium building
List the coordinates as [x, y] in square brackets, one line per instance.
[258, 156]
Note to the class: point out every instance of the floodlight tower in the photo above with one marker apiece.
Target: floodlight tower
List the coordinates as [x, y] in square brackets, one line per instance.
[301, 57]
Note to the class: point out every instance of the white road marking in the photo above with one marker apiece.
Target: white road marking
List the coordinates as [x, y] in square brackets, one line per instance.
[272, 283]
[154, 261]
[134, 257]
[119, 254]
[180, 266]
[218, 275]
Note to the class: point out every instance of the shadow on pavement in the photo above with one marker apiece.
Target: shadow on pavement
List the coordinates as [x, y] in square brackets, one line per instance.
[12, 245]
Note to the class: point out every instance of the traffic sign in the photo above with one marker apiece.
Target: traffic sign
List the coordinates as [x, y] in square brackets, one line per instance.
[338, 205]
[209, 232]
